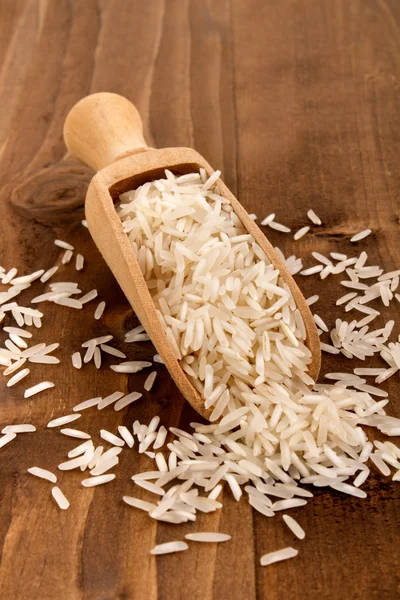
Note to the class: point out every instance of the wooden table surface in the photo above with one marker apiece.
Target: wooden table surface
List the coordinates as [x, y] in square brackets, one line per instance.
[298, 102]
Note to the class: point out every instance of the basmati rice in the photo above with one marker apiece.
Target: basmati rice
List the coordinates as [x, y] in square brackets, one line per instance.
[99, 310]
[137, 503]
[22, 428]
[294, 527]
[43, 474]
[132, 397]
[207, 537]
[36, 389]
[312, 270]
[312, 299]
[79, 263]
[278, 227]
[268, 219]
[81, 449]
[110, 399]
[59, 498]
[102, 466]
[18, 341]
[11, 369]
[17, 377]
[5, 439]
[131, 366]
[126, 435]
[76, 433]
[46, 276]
[86, 404]
[74, 463]
[111, 438]
[77, 360]
[64, 245]
[148, 384]
[301, 232]
[88, 297]
[169, 547]
[360, 236]
[63, 420]
[97, 358]
[66, 257]
[313, 217]
[44, 360]
[273, 557]
[93, 481]
[112, 351]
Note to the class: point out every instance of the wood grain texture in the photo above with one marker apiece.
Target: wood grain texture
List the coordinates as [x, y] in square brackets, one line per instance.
[298, 103]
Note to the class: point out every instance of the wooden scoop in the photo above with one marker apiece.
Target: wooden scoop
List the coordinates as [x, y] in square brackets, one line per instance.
[105, 132]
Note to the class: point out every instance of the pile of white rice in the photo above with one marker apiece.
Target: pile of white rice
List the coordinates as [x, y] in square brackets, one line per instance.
[235, 328]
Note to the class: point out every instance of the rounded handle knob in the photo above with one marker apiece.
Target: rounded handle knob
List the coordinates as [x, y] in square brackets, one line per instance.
[103, 127]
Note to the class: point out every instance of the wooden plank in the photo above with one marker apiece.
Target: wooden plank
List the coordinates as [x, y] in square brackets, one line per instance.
[299, 104]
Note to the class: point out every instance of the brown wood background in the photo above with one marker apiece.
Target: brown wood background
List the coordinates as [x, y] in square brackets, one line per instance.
[298, 102]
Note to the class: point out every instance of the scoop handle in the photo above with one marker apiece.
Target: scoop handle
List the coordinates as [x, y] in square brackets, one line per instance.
[102, 128]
